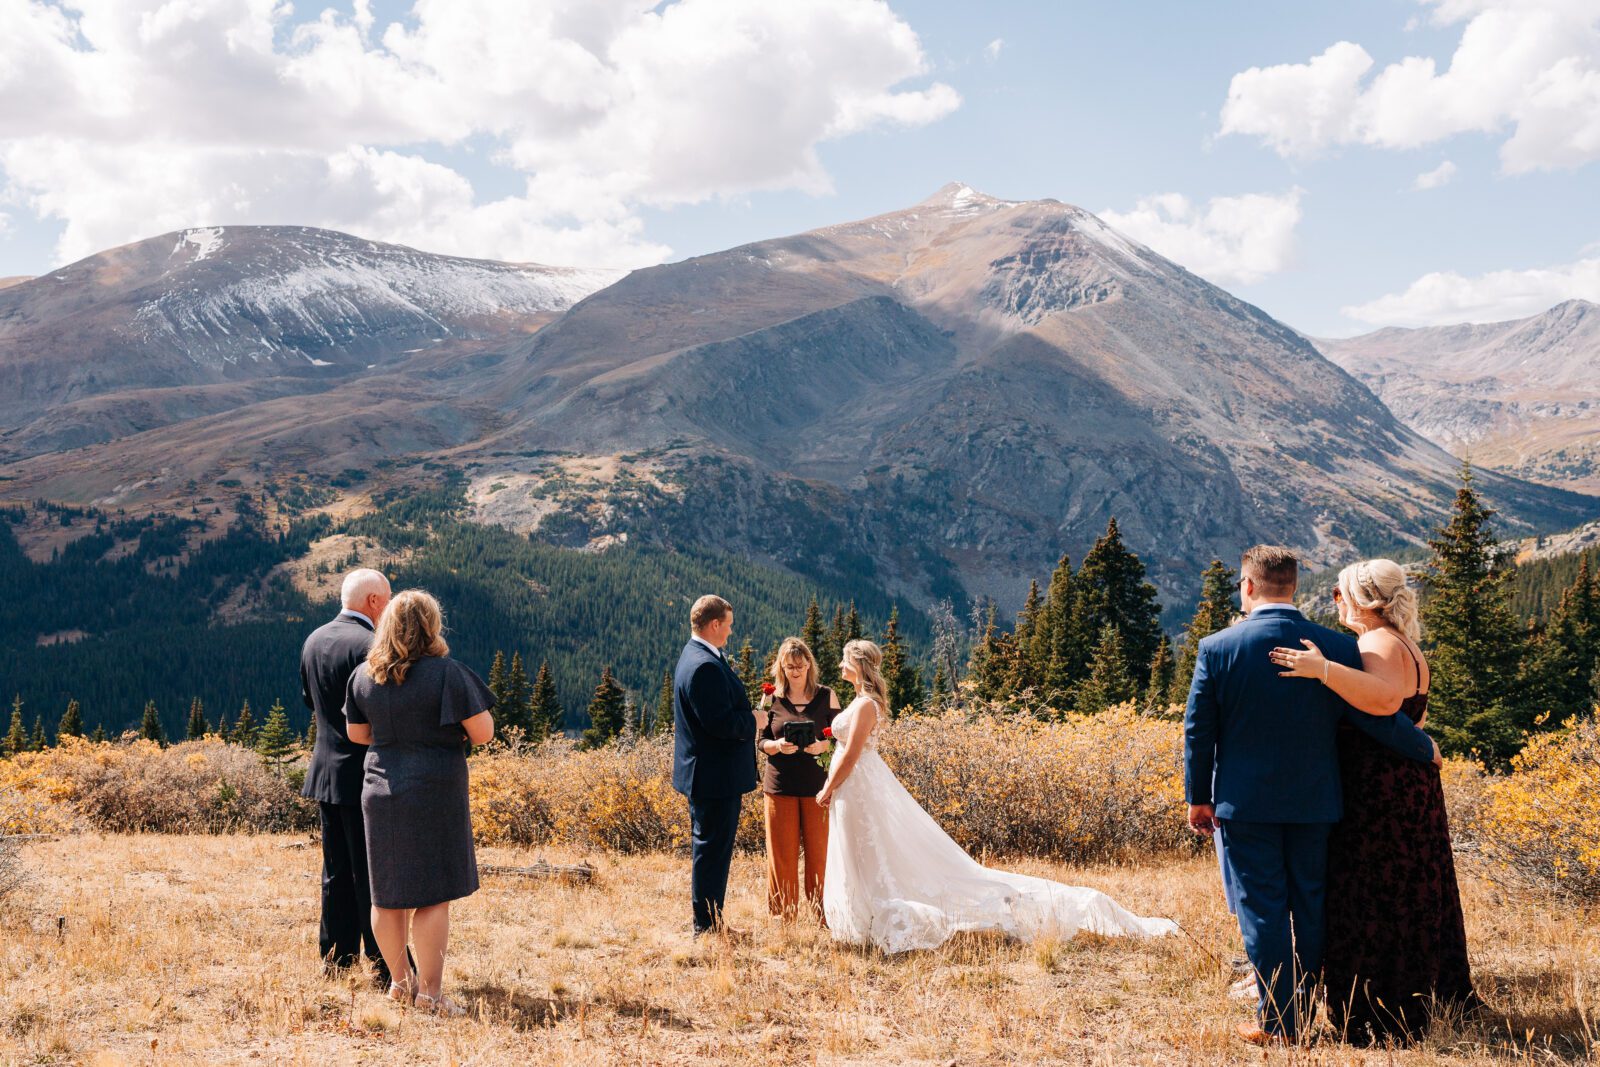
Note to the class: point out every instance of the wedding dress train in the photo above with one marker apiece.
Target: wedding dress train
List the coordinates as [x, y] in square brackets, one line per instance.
[898, 881]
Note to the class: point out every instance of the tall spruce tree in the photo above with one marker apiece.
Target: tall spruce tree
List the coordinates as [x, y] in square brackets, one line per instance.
[1110, 678]
[71, 724]
[1026, 673]
[275, 742]
[749, 671]
[905, 687]
[1067, 660]
[244, 728]
[17, 736]
[150, 728]
[549, 718]
[497, 684]
[1216, 610]
[37, 742]
[198, 727]
[662, 722]
[1112, 591]
[939, 695]
[987, 669]
[812, 632]
[852, 624]
[99, 735]
[832, 649]
[607, 712]
[518, 711]
[1476, 640]
[1559, 671]
[1158, 691]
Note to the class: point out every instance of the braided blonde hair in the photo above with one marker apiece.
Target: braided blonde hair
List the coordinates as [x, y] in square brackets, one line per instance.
[867, 659]
[1380, 586]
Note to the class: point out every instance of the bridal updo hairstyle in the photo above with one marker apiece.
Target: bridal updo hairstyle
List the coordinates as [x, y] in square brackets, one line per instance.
[792, 651]
[412, 629]
[1380, 586]
[867, 659]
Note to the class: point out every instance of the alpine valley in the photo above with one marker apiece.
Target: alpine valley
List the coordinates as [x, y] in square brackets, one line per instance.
[933, 403]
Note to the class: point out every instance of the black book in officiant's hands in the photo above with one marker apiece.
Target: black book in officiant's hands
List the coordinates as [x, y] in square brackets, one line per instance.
[801, 733]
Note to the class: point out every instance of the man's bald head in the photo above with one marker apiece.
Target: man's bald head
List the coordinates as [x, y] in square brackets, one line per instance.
[365, 590]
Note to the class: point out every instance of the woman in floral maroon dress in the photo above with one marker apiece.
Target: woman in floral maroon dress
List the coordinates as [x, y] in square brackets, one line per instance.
[1397, 945]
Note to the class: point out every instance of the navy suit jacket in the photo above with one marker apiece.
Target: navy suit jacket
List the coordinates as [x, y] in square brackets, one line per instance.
[327, 660]
[1261, 747]
[714, 735]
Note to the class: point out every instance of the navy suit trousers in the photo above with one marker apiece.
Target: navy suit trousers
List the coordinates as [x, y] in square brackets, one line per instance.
[1280, 878]
[713, 825]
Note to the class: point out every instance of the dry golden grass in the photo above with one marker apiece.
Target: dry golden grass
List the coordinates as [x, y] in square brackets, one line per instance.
[201, 950]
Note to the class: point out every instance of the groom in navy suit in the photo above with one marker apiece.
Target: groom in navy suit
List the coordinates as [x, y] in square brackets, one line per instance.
[714, 742]
[1261, 763]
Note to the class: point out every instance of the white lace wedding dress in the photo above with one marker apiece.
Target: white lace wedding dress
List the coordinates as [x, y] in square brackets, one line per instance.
[897, 881]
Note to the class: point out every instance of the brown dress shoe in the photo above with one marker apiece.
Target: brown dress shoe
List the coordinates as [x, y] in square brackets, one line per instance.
[1254, 1035]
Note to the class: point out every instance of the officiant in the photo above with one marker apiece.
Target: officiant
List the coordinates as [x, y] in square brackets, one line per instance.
[799, 708]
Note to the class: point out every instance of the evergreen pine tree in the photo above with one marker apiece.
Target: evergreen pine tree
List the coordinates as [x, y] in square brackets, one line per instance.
[940, 696]
[197, 720]
[987, 669]
[1477, 642]
[607, 710]
[17, 737]
[311, 734]
[832, 649]
[547, 717]
[812, 633]
[223, 731]
[518, 711]
[71, 724]
[1558, 674]
[1025, 672]
[150, 727]
[37, 742]
[905, 687]
[1110, 678]
[99, 735]
[244, 728]
[663, 722]
[497, 684]
[1158, 693]
[1216, 610]
[275, 742]
[749, 671]
[852, 624]
[1065, 663]
[1111, 591]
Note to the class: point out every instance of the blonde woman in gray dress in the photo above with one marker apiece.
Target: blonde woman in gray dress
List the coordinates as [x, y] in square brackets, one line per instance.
[415, 707]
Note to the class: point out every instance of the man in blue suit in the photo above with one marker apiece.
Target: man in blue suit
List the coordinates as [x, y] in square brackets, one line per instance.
[1261, 764]
[714, 753]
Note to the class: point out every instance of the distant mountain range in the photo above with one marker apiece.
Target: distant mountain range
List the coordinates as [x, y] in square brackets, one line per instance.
[1521, 396]
[938, 401]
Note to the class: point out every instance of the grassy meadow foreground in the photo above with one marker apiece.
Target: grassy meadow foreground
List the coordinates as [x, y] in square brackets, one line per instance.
[167, 914]
[170, 949]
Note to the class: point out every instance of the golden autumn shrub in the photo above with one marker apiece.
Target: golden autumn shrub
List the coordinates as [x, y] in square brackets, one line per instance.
[204, 786]
[1542, 820]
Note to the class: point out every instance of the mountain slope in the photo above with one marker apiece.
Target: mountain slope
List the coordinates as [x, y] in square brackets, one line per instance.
[1523, 396]
[212, 313]
[936, 401]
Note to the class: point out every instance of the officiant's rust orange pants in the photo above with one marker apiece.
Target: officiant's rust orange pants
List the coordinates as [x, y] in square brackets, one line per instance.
[793, 822]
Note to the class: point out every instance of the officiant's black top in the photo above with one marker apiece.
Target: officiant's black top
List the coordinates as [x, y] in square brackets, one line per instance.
[330, 656]
[796, 774]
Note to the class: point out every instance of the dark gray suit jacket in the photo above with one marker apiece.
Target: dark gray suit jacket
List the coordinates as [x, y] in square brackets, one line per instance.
[329, 657]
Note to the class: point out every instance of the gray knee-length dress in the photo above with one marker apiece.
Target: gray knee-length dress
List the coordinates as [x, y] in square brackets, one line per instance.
[414, 795]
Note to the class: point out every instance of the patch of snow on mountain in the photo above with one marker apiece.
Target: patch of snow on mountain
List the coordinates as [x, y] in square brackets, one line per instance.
[206, 241]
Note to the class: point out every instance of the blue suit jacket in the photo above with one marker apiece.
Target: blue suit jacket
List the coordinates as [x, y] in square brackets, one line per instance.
[714, 734]
[1261, 747]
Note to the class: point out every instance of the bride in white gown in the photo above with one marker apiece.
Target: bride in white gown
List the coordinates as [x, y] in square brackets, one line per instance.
[897, 881]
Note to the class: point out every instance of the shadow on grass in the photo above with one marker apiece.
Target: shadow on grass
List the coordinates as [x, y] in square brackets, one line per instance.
[525, 1011]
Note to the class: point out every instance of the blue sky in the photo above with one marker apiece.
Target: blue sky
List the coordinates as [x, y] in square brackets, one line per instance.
[1105, 106]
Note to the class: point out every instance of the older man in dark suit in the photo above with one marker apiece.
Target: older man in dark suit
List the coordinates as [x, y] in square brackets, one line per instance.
[1261, 763]
[330, 656]
[714, 753]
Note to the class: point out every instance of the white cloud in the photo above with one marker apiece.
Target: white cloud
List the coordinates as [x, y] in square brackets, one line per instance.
[991, 51]
[1444, 298]
[1433, 179]
[124, 117]
[1530, 67]
[1229, 240]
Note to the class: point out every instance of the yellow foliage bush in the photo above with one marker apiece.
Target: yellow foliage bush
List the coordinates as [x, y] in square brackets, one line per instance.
[1543, 819]
[204, 786]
